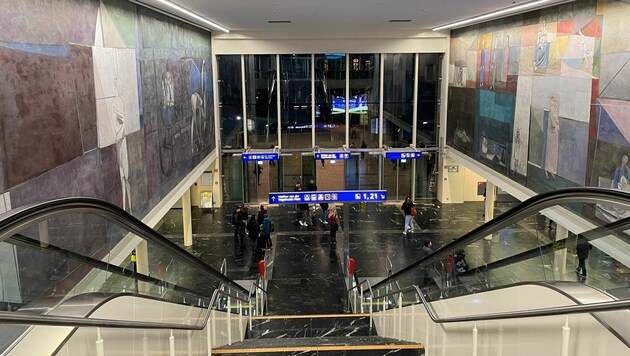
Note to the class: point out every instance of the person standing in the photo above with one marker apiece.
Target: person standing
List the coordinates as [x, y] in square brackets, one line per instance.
[324, 219]
[583, 248]
[267, 229]
[408, 209]
[333, 224]
[253, 228]
[261, 214]
[302, 207]
[426, 251]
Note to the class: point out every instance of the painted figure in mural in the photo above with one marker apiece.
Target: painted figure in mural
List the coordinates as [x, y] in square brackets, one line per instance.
[587, 53]
[517, 150]
[198, 120]
[167, 144]
[541, 55]
[552, 138]
[482, 64]
[622, 175]
[118, 126]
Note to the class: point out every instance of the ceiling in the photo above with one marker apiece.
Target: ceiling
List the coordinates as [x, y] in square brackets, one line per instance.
[339, 15]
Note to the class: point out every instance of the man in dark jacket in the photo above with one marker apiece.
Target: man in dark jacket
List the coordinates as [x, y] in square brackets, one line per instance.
[583, 248]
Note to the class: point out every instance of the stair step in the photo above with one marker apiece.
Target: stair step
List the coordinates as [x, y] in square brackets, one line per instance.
[359, 345]
[311, 326]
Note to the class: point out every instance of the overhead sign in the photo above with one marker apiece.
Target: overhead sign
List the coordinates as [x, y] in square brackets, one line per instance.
[403, 155]
[345, 196]
[259, 157]
[332, 155]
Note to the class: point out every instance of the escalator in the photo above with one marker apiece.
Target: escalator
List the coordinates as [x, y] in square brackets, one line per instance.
[520, 292]
[79, 276]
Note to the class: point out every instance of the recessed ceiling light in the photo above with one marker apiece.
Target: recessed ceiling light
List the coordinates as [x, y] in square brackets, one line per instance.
[190, 14]
[279, 21]
[399, 21]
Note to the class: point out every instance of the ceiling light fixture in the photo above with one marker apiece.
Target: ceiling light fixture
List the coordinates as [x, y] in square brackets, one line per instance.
[399, 21]
[279, 21]
[512, 10]
[193, 15]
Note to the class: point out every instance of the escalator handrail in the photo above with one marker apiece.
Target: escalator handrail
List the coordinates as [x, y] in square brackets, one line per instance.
[524, 209]
[15, 219]
[530, 313]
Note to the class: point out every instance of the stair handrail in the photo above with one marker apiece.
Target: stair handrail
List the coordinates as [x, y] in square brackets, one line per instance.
[69, 321]
[539, 312]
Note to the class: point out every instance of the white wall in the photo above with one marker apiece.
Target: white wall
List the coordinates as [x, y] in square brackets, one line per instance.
[283, 42]
[460, 186]
[515, 337]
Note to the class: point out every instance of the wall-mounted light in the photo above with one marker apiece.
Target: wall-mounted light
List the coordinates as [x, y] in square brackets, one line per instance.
[180, 12]
[512, 10]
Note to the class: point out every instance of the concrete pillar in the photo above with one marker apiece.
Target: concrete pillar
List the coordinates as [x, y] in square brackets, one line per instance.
[491, 197]
[187, 217]
[560, 255]
[142, 264]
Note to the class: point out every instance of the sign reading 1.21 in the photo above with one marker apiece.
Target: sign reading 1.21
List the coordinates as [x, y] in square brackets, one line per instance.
[403, 155]
[347, 196]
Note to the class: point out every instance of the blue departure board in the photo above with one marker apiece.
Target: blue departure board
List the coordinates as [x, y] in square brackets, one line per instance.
[344, 196]
[403, 155]
[259, 157]
[332, 155]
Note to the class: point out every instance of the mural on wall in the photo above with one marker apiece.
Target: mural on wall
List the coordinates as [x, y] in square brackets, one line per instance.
[177, 107]
[536, 82]
[612, 147]
[79, 107]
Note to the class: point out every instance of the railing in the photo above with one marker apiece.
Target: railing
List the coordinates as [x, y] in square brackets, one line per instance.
[92, 242]
[521, 249]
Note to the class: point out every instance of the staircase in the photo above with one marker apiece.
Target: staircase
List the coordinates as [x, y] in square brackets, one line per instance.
[346, 334]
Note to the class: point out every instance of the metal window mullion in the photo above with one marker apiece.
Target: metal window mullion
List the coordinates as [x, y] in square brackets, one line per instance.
[279, 119]
[312, 100]
[347, 100]
[414, 124]
[381, 122]
[244, 101]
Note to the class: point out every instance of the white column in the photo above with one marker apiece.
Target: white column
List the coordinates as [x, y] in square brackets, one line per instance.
[560, 255]
[489, 204]
[187, 216]
[43, 233]
[142, 264]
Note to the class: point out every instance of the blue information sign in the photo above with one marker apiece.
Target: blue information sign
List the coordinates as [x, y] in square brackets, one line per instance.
[259, 157]
[403, 155]
[345, 196]
[332, 155]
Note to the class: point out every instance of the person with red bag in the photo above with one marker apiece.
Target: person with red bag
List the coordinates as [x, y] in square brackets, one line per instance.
[409, 209]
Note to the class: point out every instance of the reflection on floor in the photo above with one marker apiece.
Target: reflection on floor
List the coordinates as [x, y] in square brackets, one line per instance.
[305, 265]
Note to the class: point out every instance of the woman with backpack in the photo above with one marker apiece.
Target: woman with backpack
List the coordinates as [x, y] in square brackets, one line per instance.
[409, 208]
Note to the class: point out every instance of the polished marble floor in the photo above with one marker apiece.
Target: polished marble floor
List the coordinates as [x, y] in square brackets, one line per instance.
[306, 276]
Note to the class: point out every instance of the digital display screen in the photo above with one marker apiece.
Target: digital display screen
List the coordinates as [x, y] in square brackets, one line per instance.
[345, 196]
[259, 157]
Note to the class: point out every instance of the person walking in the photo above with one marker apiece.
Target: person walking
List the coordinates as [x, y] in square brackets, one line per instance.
[409, 209]
[425, 252]
[583, 248]
[302, 207]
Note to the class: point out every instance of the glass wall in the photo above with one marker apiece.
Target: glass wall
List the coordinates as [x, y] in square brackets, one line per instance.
[363, 103]
[230, 101]
[336, 116]
[233, 189]
[429, 78]
[261, 83]
[398, 85]
[330, 94]
[295, 91]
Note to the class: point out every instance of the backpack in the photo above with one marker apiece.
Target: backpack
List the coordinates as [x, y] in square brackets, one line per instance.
[413, 211]
[333, 225]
